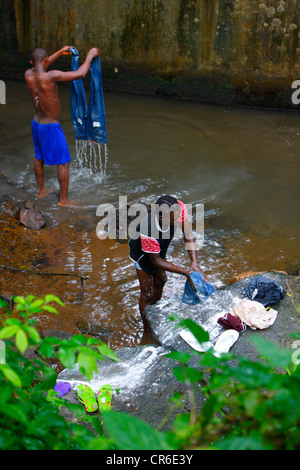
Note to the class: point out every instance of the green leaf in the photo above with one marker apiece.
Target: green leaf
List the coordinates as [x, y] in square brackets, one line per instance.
[8, 331]
[33, 333]
[130, 433]
[275, 356]
[187, 374]
[53, 298]
[3, 304]
[200, 334]
[15, 412]
[36, 304]
[179, 356]
[105, 350]
[78, 340]
[254, 374]
[47, 349]
[252, 442]
[67, 357]
[19, 300]
[211, 406]
[50, 309]
[21, 340]
[10, 375]
[87, 364]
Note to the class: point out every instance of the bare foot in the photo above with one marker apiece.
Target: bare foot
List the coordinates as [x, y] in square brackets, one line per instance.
[45, 193]
[66, 203]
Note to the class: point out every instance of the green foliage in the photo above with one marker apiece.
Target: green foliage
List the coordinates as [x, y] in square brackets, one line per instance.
[29, 407]
[249, 404]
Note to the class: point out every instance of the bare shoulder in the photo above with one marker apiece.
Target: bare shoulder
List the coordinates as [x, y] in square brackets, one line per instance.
[53, 74]
[29, 73]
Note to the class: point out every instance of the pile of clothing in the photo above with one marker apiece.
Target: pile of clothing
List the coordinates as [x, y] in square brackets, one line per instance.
[255, 311]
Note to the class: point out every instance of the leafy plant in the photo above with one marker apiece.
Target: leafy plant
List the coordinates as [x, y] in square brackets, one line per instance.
[248, 404]
[29, 407]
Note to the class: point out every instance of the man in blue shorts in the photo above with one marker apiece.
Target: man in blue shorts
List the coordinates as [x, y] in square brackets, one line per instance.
[49, 140]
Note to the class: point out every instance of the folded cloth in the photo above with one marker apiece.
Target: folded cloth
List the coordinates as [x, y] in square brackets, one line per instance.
[265, 291]
[203, 290]
[231, 322]
[254, 314]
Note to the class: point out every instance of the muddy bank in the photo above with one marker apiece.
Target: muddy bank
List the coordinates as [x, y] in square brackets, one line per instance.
[33, 260]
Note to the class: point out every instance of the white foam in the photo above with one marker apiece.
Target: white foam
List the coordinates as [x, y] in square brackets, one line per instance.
[124, 375]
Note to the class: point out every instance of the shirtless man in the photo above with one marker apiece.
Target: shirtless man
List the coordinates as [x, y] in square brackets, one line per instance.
[49, 140]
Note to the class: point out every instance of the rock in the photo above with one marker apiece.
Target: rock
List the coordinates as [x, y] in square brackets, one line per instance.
[9, 300]
[145, 376]
[239, 277]
[30, 217]
[94, 329]
[60, 334]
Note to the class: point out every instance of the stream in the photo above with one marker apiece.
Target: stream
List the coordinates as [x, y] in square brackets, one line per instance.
[242, 164]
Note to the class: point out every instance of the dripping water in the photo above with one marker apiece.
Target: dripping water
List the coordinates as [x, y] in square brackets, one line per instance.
[92, 155]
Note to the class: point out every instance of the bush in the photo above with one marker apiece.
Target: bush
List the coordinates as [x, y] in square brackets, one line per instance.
[249, 404]
[29, 407]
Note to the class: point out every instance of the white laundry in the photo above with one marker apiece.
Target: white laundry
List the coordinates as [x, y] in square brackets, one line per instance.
[254, 314]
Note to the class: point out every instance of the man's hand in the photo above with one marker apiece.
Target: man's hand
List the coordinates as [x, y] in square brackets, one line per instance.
[66, 50]
[195, 267]
[94, 52]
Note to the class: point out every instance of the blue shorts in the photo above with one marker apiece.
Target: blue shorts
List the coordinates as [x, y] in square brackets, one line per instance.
[50, 143]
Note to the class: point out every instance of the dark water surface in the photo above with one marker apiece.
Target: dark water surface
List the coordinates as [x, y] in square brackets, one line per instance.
[242, 164]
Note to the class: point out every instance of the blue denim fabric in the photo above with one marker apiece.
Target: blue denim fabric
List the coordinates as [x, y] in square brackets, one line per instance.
[96, 109]
[203, 290]
[89, 122]
[79, 114]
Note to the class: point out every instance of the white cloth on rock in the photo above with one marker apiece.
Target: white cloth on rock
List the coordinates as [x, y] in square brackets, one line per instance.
[254, 314]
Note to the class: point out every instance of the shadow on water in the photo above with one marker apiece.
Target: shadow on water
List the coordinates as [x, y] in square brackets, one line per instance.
[241, 164]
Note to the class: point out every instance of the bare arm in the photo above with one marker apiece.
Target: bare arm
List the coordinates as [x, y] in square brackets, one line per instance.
[191, 248]
[167, 266]
[81, 72]
[63, 51]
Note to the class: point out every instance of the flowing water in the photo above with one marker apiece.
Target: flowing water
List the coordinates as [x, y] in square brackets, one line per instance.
[242, 164]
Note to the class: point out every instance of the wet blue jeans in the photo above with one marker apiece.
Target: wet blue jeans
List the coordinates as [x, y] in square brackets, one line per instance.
[89, 122]
[203, 290]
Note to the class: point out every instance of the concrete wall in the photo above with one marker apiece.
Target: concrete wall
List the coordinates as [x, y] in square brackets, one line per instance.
[246, 50]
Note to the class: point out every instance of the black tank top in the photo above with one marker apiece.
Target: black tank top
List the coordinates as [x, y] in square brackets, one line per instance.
[149, 227]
